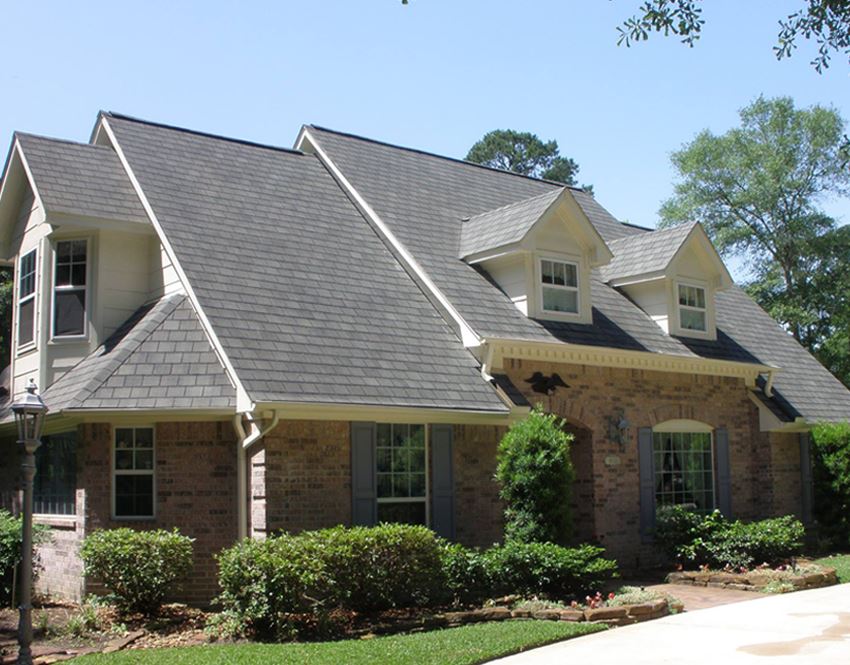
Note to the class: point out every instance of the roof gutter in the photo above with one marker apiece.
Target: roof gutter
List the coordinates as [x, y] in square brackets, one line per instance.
[245, 441]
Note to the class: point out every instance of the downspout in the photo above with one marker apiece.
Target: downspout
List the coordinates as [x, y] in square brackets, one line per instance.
[487, 362]
[768, 386]
[245, 441]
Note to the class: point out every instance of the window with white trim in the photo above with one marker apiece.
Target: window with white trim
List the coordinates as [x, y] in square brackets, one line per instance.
[55, 482]
[559, 286]
[26, 298]
[684, 469]
[133, 472]
[400, 460]
[692, 309]
[70, 276]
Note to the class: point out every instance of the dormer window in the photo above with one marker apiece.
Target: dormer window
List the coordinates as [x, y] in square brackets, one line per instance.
[559, 284]
[70, 277]
[692, 309]
[26, 299]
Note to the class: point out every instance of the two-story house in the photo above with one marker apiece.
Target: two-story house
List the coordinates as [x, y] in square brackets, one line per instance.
[235, 339]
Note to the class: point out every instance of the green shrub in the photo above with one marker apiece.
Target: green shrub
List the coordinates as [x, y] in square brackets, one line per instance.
[549, 569]
[831, 474]
[10, 549]
[138, 567]
[467, 574]
[536, 475]
[694, 539]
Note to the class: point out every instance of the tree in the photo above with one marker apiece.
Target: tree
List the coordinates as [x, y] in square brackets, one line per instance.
[525, 153]
[536, 475]
[6, 297]
[756, 190]
[826, 21]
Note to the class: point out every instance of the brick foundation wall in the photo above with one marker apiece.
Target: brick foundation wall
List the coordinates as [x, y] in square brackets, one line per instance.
[785, 480]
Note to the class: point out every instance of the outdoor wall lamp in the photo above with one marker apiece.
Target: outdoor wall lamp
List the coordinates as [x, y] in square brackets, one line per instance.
[29, 413]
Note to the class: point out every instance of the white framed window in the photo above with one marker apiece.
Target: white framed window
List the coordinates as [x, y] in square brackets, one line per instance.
[70, 288]
[684, 469]
[26, 299]
[133, 486]
[401, 454]
[559, 286]
[693, 314]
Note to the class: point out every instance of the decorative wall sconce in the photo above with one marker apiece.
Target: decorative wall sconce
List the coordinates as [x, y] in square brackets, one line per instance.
[618, 429]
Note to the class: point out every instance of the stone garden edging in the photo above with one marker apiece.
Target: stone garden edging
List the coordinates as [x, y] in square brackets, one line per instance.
[754, 580]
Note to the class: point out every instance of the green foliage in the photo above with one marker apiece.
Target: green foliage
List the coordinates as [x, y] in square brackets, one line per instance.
[757, 189]
[694, 539]
[549, 569]
[825, 21]
[841, 563]
[467, 574]
[7, 286]
[525, 153]
[536, 475]
[267, 584]
[831, 469]
[139, 567]
[10, 548]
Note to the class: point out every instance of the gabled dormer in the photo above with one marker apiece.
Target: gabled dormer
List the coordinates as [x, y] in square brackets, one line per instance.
[673, 275]
[540, 252]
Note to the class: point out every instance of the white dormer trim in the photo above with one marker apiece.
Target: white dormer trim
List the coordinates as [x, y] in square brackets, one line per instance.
[675, 309]
[536, 309]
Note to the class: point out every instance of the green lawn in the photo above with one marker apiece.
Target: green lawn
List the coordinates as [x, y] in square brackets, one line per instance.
[452, 646]
[841, 563]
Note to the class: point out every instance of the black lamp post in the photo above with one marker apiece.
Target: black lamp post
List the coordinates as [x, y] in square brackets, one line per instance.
[29, 415]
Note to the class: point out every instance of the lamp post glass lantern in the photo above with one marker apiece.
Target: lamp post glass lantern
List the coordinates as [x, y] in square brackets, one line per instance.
[29, 413]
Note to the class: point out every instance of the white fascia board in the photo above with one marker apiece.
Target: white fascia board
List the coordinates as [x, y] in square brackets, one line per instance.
[243, 400]
[20, 152]
[468, 336]
[638, 279]
[494, 253]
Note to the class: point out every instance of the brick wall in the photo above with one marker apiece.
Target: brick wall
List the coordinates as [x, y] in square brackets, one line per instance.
[785, 480]
[195, 487]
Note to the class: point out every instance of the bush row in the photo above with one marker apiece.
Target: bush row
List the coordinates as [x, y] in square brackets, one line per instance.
[267, 585]
[712, 540]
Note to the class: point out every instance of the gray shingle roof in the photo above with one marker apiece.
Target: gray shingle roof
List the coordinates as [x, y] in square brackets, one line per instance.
[645, 252]
[81, 179]
[422, 198]
[159, 358]
[308, 303]
[504, 225]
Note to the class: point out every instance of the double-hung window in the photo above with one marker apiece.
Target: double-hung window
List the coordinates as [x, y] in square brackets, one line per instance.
[401, 473]
[26, 299]
[684, 469]
[559, 284]
[55, 482]
[133, 472]
[70, 276]
[692, 310]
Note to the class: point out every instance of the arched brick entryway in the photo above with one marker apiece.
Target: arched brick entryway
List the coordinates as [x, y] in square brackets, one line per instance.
[581, 453]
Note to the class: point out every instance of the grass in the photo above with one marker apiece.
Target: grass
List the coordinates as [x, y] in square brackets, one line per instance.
[841, 563]
[452, 646]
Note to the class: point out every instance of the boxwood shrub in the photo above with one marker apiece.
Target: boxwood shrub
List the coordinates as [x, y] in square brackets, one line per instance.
[138, 567]
[10, 549]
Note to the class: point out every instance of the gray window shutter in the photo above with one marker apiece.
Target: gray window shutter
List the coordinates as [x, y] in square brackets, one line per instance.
[724, 474]
[442, 482]
[806, 483]
[646, 469]
[364, 509]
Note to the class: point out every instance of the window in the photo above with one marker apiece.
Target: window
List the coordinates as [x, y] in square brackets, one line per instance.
[133, 470]
[69, 288]
[26, 299]
[55, 482]
[559, 281]
[684, 469]
[401, 473]
[692, 308]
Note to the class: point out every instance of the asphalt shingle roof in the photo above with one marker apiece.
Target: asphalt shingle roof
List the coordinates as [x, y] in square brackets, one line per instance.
[504, 225]
[308, 303]
[645, 252]
[81, 179]
[159, 358]
[423, 197]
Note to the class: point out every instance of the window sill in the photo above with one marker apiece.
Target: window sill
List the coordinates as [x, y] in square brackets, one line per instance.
[76, 339]
[116, 518]
[24, 350]
[56, 521]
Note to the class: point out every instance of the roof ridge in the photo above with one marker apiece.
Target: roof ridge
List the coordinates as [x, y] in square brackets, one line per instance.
[169, 304]
[652, 232]
[195, 132]
[53, 139]
[445, 157]
[517, 203]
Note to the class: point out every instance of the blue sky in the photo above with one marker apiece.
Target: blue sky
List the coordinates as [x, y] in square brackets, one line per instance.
[435, 74]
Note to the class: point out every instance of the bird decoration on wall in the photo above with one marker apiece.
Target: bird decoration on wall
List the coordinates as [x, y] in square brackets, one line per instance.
[545, 385]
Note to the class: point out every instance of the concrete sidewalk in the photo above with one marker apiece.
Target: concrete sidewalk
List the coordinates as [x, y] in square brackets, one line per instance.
[801, 628]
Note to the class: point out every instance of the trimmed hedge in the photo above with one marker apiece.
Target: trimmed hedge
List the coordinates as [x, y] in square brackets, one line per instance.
[139, 567]
[831, 468]
[712, 540]
[291, 585]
